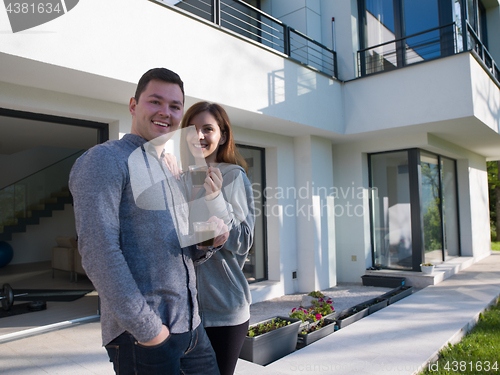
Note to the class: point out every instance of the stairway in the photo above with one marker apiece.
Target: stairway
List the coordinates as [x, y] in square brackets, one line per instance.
[35, 212]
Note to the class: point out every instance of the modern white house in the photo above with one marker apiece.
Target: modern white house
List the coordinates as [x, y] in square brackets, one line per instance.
[367, 124]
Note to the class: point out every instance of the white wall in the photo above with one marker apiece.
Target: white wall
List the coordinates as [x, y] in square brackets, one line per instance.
[314, 214]
[125, 38]
[35, 245]
[346, 34]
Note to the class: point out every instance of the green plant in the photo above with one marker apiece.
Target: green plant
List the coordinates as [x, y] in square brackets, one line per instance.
[475, 352]
[265, 327]
[300, 313]
[427, 264]
[316, 294]
[314, 327]
[323, 306]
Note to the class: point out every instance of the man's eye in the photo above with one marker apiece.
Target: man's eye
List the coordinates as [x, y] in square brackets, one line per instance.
[155, 102]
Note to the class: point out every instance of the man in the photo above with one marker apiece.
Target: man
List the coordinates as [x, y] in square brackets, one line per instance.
[131, 250]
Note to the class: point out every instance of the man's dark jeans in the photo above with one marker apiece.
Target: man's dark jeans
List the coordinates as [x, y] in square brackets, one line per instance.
[187, 353]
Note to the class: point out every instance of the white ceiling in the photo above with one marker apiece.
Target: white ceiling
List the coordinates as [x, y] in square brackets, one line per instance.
[17, 135]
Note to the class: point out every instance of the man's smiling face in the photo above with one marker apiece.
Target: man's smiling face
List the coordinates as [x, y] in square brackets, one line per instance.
[158, 111]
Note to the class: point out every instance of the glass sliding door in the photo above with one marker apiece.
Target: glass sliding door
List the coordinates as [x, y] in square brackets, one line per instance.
[255, 268]
[413, 209]
[450, 209]
[431, 208]
[391, 211]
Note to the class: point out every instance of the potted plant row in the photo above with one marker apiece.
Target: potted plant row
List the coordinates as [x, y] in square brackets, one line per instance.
[397, 294]
[318, 319]
[315, 331]
[270, 340]
[351, 315]
[374, 304]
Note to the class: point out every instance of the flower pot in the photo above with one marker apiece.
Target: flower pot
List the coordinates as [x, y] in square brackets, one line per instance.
[383, 281]
[270, 346]
[397, 294]
[308, 338]
[427, 270]
[350, 316]
[306, 301]
[374, 304]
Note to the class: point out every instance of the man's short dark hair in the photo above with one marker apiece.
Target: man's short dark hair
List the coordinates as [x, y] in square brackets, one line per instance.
[158, 74]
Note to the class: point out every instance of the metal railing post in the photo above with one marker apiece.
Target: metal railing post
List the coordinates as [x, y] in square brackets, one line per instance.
[286, 40]
[216, 12]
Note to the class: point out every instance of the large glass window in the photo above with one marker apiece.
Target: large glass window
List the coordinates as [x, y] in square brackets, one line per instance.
[431, 208]
[414, 212]
[395, 33]
[255, 268]
[391, 210]
[450, 209]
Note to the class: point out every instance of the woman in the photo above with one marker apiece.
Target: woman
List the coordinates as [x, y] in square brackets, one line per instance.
[223, 292]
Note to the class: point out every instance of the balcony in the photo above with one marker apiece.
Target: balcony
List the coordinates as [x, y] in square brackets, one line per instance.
[252, 24]
[424, 46]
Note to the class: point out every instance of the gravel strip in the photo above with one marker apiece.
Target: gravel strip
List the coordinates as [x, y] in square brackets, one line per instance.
[344, 296]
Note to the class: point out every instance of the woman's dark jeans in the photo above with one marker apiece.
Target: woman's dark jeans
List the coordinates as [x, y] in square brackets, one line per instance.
[187, 353]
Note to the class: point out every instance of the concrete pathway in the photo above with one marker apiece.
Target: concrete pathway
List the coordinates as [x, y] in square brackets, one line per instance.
[398, 339]
[403, 337]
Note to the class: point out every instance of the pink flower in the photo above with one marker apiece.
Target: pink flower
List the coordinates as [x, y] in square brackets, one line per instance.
[294, 309]
[321, 300]
[329, 302]
[318, 316]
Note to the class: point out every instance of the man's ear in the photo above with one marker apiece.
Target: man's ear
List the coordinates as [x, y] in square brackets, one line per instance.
[131, 106]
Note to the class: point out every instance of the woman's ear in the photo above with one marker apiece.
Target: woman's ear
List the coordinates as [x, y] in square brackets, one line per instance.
[222, 139]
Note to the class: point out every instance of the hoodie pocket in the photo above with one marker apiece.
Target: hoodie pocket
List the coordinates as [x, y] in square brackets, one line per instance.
[218, 288]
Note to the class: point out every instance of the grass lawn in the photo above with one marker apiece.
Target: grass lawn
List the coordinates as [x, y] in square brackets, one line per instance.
[476, 353]
[495, 246]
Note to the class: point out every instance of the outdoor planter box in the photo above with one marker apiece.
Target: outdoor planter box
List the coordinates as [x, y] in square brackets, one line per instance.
[350, 316]
[397, 294]
[383, 281]
[374, 304]
[308, 338]
[270, 346]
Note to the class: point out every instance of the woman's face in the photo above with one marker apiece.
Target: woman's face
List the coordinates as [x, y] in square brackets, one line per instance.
[207, 138]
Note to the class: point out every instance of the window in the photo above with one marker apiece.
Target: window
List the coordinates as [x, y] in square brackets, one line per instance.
[395, 33]
[255, 268]
[476, 15]
[413, 207]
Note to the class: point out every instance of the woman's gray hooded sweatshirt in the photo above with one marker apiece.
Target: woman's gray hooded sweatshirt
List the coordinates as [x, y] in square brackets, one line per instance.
[223, 293]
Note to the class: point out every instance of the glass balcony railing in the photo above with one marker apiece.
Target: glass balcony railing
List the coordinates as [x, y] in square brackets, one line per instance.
[19, 200]
[424, 46]
[475, 44]
[253, 24]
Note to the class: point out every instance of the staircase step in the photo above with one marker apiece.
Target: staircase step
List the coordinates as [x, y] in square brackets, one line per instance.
[36, 207]
[48, 200]
[60, 194]
[29, 221]
[5, 237]
[9, 229]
